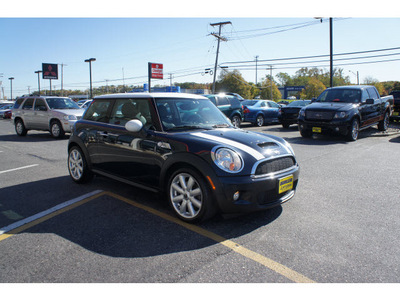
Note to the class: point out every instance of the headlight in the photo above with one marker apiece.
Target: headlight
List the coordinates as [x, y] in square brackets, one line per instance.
[228, 160]
[70, 117]
[302, 113]
[340, 115]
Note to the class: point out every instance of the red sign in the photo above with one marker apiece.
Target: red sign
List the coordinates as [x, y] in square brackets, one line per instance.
[50, 71]
[156, 71]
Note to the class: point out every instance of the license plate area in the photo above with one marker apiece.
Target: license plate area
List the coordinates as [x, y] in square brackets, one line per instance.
[316, 129]
[396, 113]
[285, 184]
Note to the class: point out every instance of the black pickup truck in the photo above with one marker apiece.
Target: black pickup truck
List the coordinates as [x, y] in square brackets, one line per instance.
[346, 110]
[396, 106]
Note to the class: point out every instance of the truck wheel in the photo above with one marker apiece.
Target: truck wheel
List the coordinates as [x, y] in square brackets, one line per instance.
[20, 128]
[56, 130]
[305, 133]
[352, 135]
[384, 124]
[285, 125]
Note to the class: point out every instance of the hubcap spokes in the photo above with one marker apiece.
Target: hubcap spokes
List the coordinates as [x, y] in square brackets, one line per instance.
[75, 164]
[186, 195]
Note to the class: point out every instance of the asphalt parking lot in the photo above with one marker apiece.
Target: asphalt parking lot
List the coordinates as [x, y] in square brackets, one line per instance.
[342, 225]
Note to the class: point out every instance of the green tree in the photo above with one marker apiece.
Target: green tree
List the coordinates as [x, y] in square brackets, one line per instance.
[266, 90]
[313, 89]
[233, 82]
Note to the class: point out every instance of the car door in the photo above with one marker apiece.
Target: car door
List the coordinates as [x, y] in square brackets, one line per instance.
[132, 156]
[273, 111]
[40, 117]
[27, 113]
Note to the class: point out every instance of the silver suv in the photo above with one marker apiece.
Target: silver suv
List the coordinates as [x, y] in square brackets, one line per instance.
[55, 114]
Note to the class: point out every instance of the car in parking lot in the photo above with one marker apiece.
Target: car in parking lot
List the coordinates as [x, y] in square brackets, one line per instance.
[54, 114]
[5, 108]
[229, 105]
[290, 113]
[260, 112]
[183, 147]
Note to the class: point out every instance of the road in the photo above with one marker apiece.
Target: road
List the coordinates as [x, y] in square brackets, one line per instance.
[342, 225]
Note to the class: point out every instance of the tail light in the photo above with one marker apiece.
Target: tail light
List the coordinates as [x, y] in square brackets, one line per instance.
[245, 110]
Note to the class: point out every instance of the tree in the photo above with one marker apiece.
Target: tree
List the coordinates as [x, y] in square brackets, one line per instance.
[233, 82]
[266, 90]
[313, 89]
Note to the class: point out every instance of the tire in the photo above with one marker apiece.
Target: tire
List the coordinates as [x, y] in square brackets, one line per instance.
[56, 130]
[236, 121]
[259, 121]
[384, 124]
[189, 196]
[77, 166]
[285, 125]
[352, 135]
[20, 128]
[305, 133]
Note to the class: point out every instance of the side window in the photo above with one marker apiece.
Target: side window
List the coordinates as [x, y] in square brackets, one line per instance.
[18, 103]
[28, 104]
[222, 101]
[234, 101]
[98, 111]
[263, 104]
[273, 104]
[40, 105]
[364, 96]
[129, 109]
[372, 93]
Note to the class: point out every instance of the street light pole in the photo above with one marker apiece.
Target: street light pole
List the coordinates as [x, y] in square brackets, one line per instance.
[89, 60]
[358, 80]
[331, 49]
[11, 79]
[38, 78]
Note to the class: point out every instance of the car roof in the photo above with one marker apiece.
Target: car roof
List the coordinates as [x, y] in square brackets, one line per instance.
[151, 95]
[351, 87]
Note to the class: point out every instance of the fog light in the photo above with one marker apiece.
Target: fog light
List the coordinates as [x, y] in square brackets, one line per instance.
[337, 129]
[236, 196]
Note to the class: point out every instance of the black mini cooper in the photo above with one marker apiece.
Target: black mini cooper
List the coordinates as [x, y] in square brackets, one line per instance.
[184, 147]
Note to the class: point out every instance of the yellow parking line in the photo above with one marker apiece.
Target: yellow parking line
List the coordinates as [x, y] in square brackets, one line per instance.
[269, 263]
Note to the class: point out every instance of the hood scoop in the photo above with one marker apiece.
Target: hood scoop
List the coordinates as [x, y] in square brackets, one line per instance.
[268, 145]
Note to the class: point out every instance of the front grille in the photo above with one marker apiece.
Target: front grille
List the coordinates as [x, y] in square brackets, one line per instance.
[319, 115]
[275, 165]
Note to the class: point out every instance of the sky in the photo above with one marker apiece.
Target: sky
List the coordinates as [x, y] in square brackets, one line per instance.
[124, 38]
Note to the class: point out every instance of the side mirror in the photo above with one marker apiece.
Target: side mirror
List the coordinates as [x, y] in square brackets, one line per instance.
[134, 125]
[370, 101]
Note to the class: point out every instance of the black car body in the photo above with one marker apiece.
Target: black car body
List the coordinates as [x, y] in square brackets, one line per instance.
[183, 147]
[396, 106]
[290, 113]
[346, 110]
[230, 105]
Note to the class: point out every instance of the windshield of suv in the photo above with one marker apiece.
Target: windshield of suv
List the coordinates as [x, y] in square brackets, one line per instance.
[182, 114]
[340, 95]
[61, 103]
[299, 103]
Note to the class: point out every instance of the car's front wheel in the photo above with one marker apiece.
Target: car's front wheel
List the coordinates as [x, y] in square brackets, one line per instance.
[259, 121]
[352, 135]
[77, 166]
[236, 121]
[56, 130]
[189, 196]
[20, 128]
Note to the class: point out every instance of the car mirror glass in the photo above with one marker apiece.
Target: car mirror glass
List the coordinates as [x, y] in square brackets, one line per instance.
[134, 125]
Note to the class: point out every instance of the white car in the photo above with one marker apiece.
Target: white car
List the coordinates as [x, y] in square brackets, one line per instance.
[54, 114]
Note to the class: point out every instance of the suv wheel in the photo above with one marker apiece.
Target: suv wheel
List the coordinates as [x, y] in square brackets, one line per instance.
[189, 196]
[384, 124]
[259, 121]
[236, 121]
[77, 166]
[20, 128]
[352, 135]
[56, 130]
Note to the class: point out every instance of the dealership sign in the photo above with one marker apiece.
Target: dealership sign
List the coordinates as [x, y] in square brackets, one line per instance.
[156, 71]
[50, 71]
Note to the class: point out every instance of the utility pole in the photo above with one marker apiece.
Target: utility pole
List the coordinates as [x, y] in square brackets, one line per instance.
[219, 39]
[331, 49]
[256, 68]
[270, 79]
[62, 78]
[170, 79]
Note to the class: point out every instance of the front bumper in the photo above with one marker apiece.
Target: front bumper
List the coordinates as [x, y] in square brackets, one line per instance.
[255, 193]
[335, 126]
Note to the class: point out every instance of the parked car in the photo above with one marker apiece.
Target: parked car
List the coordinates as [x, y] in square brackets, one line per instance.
[396, 105]
[260, 112]
[290, 113]
[282, 103]
[183, 147]
[7, 114]
[345, 110]
[4, 108]
[54, 114]
[85, 104]
[229, 105]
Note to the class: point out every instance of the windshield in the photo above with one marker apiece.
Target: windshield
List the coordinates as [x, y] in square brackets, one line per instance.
[61, 103]
[340, 95]
[249, 102]
[299, 103]
[181, 114]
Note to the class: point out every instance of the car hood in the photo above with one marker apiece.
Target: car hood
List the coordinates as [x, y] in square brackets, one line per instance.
[256, 145]
[330, 106]
[74, 112]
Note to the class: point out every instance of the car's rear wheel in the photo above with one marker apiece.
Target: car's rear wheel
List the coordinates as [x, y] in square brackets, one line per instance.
[56, 130]
[20, 128]
[189, 196]
[236, 121]
[77, 166]
[259, 121]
